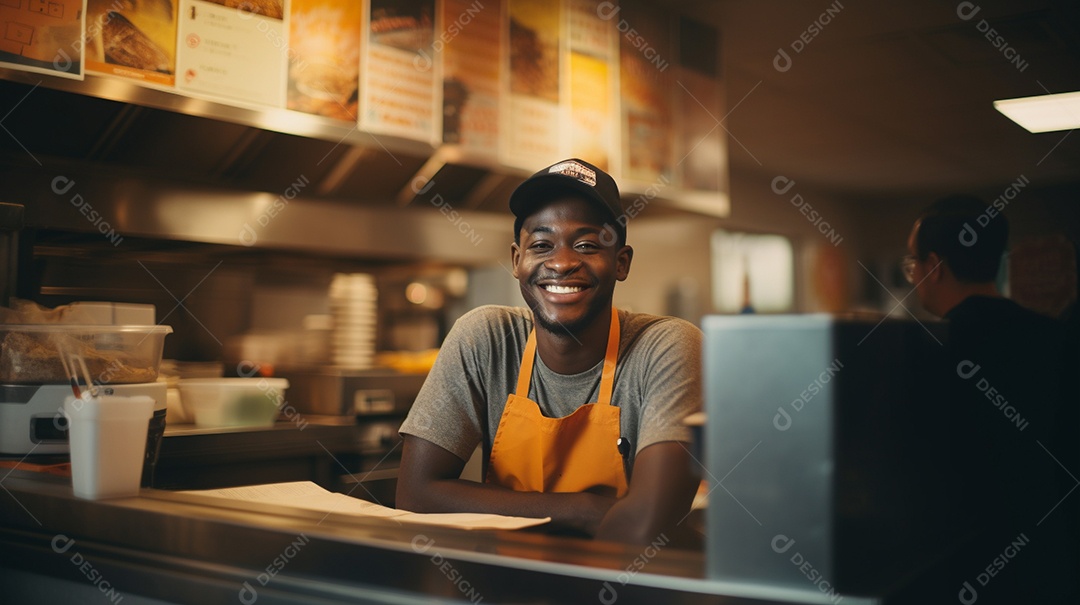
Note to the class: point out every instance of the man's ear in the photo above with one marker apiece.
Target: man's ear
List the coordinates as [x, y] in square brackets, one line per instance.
[937, 267]
[515, 255]
[622, 262]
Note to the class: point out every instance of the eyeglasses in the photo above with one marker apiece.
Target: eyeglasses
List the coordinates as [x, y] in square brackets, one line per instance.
[907, 265]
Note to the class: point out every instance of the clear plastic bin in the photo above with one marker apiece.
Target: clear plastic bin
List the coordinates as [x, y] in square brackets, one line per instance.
[30, 353]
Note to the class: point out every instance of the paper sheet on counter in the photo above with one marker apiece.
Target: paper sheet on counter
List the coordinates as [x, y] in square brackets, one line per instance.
[309, 496]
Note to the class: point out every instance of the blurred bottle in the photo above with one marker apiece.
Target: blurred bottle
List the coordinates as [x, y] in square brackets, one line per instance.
[747, 308]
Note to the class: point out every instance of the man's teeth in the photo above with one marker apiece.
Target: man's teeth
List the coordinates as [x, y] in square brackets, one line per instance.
[563, 289]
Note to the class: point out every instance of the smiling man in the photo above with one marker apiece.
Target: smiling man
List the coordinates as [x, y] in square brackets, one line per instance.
[579, 407]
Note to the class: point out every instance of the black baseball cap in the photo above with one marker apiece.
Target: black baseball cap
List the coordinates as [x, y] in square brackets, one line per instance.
[569, 176]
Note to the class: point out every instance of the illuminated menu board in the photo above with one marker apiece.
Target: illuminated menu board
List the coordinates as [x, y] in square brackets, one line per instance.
[592, 112]
[43, 36]
[324, 77]
[132, 40]
[701, 140]
[646, 88]
[397, 92]
[233, 49]
[625, 85]
[531, 120]
[468, 46]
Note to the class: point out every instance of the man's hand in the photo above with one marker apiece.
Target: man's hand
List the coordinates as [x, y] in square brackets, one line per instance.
[661, 491]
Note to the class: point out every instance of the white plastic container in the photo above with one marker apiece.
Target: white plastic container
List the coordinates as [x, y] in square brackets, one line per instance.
[107, 437]
[223, 402]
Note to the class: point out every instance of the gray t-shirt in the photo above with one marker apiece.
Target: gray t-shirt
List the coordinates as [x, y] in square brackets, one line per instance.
[657, 381]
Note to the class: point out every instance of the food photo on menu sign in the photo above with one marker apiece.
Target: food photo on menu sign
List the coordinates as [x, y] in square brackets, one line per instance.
[407, 25]
[324, 71]
[134, 40]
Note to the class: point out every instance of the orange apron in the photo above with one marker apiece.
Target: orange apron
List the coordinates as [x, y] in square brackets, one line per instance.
[534, 453]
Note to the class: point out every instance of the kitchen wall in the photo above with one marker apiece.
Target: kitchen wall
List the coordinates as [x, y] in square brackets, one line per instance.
[671, 272]
[1034, 212]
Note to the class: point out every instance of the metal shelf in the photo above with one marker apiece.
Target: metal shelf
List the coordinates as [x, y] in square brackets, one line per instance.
[237, 112]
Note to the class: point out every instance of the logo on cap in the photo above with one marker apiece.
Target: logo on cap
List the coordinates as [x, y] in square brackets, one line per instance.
[577, 171]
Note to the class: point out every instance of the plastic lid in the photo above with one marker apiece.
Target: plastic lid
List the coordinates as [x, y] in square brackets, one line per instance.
[245, 383]
[111, 407]
[83, 328]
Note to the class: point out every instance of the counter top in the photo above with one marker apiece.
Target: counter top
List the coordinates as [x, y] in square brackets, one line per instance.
[187, 548]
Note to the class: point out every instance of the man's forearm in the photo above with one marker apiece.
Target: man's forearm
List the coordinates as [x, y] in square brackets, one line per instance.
[579, 511]
[629, 521]
[660, 496]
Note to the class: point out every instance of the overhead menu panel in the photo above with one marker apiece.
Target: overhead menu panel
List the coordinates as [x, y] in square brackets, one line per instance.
[530, 133]
[132, 40]
[629, 86]
[235, 53]
[701, 141]
[592, 66]
[646, 87]
[398, 96]
[324, 75]
[469, 46]
[43, 36]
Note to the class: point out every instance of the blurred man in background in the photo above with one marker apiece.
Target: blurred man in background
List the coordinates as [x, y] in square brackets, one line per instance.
[1013, 424]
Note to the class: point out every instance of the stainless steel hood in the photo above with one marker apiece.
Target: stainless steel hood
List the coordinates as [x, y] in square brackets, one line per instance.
[158, 133]
[156, 164]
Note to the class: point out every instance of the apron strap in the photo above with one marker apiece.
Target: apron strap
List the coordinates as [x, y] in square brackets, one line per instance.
[525, 373]
[607, 379]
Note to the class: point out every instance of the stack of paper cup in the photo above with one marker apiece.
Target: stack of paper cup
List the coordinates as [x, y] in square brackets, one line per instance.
[353, 305]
